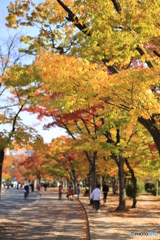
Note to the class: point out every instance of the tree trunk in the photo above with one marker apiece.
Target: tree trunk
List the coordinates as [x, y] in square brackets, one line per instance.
[67, 181]
[74, 182]
[101, 183]
[93, 178]
[39, 180]
[113, 184]
[149, 124]
[122, 192]
[89, 181]
[157, 189]
[1, 163]
[93, 172]
[134, 181]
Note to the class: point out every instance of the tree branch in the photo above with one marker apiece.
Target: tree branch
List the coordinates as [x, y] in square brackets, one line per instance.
[88, 157]
[117, 6]
[78, 126]
[73, 18]
[86, 125]
[68, 131]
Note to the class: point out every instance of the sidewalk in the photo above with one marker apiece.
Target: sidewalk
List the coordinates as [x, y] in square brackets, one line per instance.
[108, 224]
[47, 218]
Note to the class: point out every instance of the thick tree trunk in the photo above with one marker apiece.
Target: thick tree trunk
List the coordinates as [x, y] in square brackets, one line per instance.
[39, 180]
[89, 180]
[157, 189]
[122, 192]
[93, 178]
[93, 172]
[134, 181]
[113, 183]
[101, 183]
[149, 124]
[74, 182]
[134, 191]
[1, 163]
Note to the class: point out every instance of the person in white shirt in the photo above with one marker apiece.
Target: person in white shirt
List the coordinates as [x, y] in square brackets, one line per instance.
[96, 196]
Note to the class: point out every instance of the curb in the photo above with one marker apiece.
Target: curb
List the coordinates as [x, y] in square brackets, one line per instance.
[90, 230]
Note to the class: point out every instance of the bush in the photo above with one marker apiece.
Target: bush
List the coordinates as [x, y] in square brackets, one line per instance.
[129, 189]
[150, 187]
[141, 186]
[154, 191]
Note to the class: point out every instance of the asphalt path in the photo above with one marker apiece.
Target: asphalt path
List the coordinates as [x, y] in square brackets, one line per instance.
[41, 218]
[12, 201]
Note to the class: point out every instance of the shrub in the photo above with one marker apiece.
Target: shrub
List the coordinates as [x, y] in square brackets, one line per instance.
[154, 191]
[140, 186]
[129, 189]
[150, 187]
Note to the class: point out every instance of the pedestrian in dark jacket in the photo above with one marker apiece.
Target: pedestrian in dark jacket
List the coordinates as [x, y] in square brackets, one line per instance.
[105, 191]
[32, 187]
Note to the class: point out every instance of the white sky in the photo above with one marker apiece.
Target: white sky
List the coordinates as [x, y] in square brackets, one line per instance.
[28, 119]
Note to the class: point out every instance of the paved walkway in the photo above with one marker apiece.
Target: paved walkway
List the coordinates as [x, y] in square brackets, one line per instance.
[108, 224]
[45, 218]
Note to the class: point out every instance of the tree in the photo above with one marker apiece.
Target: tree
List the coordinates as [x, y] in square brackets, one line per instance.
[15, 93]
[66, 153]
[107, 41]
[34, 165]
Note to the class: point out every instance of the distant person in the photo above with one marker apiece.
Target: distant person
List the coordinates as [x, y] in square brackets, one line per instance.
[32, 187]
[17, 186]
[78, 190]
[45, 186]
[12, 185]
[60, 192]
[96, 196]
[86, 192]
[26, 191]
[38, 189]
[105, 191]
[70, 192]
[7, 187]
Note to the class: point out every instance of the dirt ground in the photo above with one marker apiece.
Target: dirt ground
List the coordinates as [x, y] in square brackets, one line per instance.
[111, 224]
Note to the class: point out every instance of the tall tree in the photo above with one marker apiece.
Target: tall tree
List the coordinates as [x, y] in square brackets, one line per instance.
[107, 41]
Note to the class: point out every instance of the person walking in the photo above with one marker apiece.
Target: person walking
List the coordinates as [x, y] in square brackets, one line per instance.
[45, 186]
[7, 187]
[70, 192]
[60, 192]
[38, 190]
[17, 187]
[96, 196]
[26, 191]
[32, 187]
[78, 190]
[105, 191]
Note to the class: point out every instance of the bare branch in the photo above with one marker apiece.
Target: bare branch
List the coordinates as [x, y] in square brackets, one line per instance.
[9, 106]
[2, 91]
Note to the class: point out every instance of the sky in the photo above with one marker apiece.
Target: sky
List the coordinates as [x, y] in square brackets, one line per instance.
[28, 119]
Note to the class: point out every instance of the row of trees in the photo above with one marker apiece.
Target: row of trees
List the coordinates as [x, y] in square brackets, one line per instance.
[95, 74]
